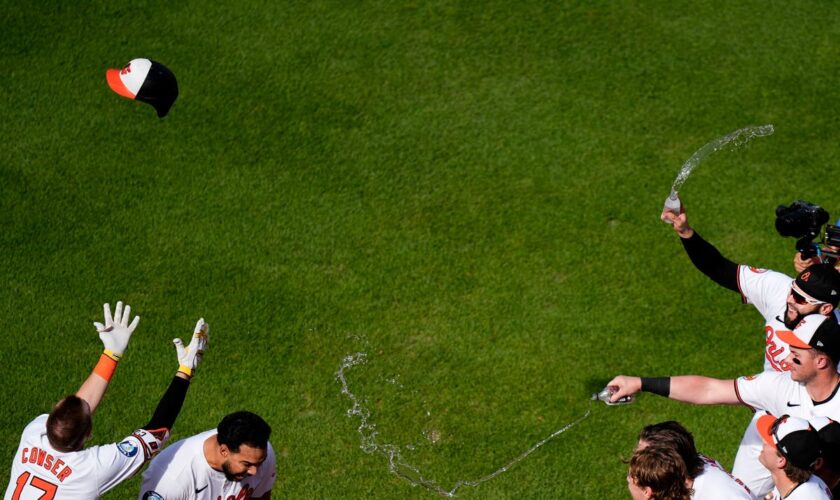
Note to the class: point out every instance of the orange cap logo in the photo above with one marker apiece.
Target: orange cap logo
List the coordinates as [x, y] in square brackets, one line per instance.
[805, 276]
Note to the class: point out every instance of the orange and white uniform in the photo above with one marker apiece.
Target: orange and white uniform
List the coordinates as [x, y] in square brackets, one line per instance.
[767, 291]
[41, 473]
[813, 489]
[714, 483]
[181, 472]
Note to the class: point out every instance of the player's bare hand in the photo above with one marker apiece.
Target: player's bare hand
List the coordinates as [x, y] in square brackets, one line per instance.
[116, 331]
[678, 221]
[189, 357]
[623, 385]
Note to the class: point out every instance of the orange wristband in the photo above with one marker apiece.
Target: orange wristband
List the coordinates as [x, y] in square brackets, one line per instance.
[106, 367]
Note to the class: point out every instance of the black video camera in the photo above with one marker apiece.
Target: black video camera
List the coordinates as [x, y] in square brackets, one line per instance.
[805, 221]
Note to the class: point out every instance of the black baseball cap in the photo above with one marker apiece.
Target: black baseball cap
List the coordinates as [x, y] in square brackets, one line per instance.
[820, 282]
[794, 437]
[829, 432]
[146, 81]
[815, 331]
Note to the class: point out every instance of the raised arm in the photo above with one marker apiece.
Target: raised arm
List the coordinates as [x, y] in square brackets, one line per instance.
[188, 359]
[703, 255]
[115, 334]
[120, 461]
[686, 388]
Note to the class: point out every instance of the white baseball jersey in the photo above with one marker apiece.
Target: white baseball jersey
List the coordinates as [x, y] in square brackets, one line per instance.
[181, 472]
[813, 489]
[714, 483]
[768, 291]
[777, 394]
[747, 468]
[39, 472]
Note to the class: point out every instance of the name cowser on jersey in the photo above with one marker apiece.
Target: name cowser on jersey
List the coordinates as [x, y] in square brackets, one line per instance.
[43, 473]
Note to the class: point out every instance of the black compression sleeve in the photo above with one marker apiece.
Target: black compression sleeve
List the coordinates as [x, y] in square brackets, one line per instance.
[657, 385]
[710, 262]
[170, 405]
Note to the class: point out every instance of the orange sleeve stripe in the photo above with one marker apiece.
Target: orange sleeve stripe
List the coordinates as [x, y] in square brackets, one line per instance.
[738, 395]
[106, 367]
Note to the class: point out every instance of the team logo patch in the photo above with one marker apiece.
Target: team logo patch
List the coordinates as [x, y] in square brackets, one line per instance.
[757, 270]
[152, 495]
[750, 377]
[127, 448]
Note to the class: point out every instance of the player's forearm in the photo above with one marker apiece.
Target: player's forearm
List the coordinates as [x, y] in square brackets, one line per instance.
[711, 262]
[92, 391]
[702, 390]
[94, 387]
[170, 404]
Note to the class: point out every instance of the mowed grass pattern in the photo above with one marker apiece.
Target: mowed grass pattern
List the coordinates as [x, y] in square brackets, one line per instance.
[466, 191]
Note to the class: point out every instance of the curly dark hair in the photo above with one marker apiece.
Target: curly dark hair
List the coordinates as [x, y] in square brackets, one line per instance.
[243, 427]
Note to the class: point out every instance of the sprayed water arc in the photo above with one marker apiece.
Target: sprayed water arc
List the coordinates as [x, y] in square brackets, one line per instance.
[397, 464]
[734, 139]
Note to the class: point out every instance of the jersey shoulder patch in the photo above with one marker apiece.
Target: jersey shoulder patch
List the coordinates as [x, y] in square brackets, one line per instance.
[127, 448]
[757, 270]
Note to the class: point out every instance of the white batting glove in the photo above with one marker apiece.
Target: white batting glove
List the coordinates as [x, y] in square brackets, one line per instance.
[116, 331]
[191, 356]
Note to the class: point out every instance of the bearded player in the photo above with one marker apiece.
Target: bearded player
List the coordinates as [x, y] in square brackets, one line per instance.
[781, 300]
[233, 461]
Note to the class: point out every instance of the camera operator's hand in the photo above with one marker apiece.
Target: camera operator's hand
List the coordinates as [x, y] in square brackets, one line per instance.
[678, 222]
[801, 264]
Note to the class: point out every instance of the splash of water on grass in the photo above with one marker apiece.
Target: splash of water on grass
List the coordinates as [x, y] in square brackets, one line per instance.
[397, 464]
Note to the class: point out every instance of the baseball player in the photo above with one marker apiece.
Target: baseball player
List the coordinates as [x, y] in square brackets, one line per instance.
[51, 462]
[781, 300]
[234, 461]
[790, 450]
[808, 389]
[657, 472]
[704, 475]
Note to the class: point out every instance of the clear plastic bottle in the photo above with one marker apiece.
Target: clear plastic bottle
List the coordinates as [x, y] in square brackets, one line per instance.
[672, 204]
[605, 395]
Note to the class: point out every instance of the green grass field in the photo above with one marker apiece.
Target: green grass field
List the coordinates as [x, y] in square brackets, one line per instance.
[468, 192]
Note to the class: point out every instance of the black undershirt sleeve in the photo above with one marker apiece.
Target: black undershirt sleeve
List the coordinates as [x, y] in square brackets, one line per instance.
[710, 262]
[170, 405]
